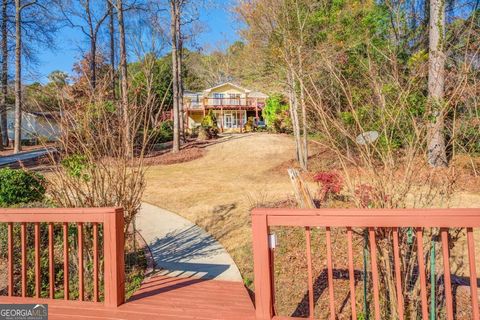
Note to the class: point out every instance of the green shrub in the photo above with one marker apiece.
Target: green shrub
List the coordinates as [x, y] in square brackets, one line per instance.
[163, 133]
[76, 166]
[209, 121]
[276, 114]
[274, 106]
[20, 186]
[208, 129]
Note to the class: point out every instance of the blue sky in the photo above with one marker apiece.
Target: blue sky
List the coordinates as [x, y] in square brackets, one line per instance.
[218, 21]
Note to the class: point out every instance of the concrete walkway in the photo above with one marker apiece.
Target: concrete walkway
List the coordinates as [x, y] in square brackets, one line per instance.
[25, 157]
[182, 249]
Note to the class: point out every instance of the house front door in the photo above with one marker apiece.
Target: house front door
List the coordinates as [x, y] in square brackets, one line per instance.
[228, 120]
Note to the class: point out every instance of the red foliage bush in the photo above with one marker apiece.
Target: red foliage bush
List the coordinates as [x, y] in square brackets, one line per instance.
[331, 183]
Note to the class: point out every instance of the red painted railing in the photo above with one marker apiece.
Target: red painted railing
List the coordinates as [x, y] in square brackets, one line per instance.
[233, 102]
[105, 222]
[374, 220]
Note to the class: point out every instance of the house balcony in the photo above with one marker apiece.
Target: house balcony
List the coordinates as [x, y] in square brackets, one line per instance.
[226, 104]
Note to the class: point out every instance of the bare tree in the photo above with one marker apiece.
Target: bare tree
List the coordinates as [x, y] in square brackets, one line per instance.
[111, 32]
[436, 85]
[19, 7]
[124, 75]
[179, 72]
[175, 14]
[4, 85]
[92, 17]
[41, 25]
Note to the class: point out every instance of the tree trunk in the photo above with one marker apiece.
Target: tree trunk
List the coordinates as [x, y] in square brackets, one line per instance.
[304, 163]
[111, 30]
[93, 61]
[436, 83]
[294, 115]
[179, 76]
[176, 109]
[93, 46]
[18, 77]
[3, 107]
[124, 80]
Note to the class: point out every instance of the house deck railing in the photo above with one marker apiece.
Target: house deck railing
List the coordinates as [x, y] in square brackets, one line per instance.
[61, 230]
[372, 221]
[226, 103]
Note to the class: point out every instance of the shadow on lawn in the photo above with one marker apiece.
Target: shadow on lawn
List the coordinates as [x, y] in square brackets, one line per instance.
[320, 285]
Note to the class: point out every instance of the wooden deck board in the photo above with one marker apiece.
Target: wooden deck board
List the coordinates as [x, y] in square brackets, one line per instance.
[163, 297]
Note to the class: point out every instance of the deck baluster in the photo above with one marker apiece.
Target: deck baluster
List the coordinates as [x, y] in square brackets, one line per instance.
[375, 278]
[95, 262]
[38, 288]
[473, 273]
[80, 262]
[66, 278]
[23, 235]
[331, 290]
[446, 273]
[51, 263]
[311, 302]
[351, 273]
[10, 259]
[421, 271]
[398, 274]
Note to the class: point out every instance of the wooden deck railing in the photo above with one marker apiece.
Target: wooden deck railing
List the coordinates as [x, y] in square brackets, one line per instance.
[104, 223]
[233, 102]
[373, 220]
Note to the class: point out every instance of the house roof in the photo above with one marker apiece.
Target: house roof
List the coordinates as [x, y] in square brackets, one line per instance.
[226, 84]
[43, 114]
[251, 93]
[257, 94]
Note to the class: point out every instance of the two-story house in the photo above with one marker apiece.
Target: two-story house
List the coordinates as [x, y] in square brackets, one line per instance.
[231, 104]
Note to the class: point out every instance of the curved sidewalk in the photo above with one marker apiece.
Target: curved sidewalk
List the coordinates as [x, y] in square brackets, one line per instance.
[183, 249]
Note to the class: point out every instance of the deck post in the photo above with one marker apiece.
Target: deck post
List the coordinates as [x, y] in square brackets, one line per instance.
[241, 120]
[114, 250]
[256, 111]
[221, 124]
[261, 266]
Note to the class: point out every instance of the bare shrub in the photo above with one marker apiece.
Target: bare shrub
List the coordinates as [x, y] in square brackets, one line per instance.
[376, 125]
[95, 166]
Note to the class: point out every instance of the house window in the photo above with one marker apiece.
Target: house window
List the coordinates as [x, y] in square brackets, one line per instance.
[218, 99]
[234, 99]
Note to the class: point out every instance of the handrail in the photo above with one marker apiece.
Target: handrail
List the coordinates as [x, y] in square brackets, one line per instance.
[233, 101]
[382, 218]
[113, 249]
[372, 220]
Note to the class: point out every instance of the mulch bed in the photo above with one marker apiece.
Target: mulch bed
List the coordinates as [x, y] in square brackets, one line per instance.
[165, 158]
[193, 149]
